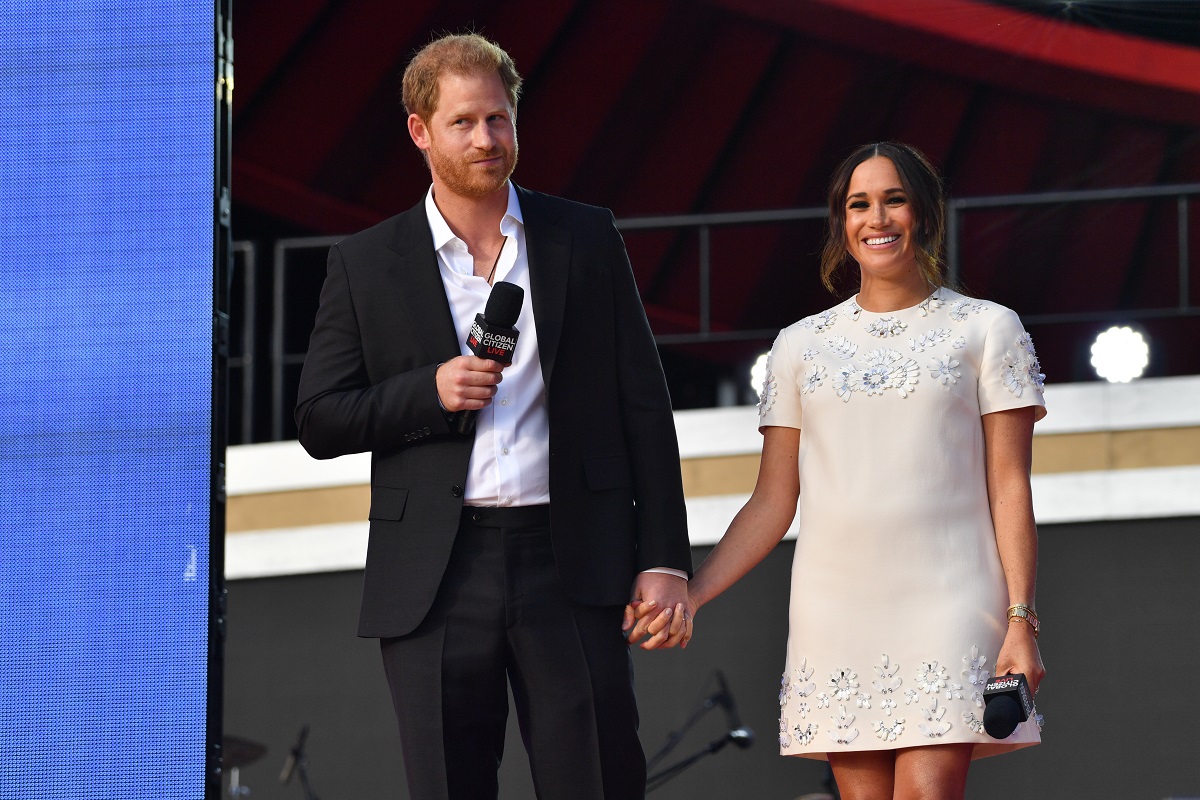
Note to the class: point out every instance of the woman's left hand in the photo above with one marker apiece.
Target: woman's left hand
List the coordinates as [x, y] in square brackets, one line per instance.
[1020, 654]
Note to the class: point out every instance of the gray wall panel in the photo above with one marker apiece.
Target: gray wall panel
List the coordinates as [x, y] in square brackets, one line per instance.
[1122, 628]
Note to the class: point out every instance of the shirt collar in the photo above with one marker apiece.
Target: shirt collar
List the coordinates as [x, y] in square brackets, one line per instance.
[442, 235]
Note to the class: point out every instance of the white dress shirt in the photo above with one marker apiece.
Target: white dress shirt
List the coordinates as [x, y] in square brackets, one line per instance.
[510, 460]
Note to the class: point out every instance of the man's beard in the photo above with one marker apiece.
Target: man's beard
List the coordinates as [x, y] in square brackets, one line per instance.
[465, 179]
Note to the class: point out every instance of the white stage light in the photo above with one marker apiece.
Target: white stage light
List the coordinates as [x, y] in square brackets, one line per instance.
[758, 374]
[1120, 354]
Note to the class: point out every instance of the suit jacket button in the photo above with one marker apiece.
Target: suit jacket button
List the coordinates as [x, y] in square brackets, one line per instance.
[456, 491]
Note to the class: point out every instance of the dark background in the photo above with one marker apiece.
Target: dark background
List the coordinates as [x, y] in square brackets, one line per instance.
[705, 106]
[1121, 622]
[684, 107]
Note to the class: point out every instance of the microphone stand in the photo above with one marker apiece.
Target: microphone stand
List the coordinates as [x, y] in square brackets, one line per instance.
[742, 736]
[659, 778]
[302, 768]
[675, 737]
[297, 761]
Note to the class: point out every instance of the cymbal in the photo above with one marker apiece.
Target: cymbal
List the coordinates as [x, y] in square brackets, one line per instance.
[239, 752]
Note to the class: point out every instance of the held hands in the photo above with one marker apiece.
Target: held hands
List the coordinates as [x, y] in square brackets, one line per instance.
[660, 610]
[467, 383]
[1019, 653]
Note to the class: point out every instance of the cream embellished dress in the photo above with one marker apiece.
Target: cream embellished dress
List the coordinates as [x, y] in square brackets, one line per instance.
[898, 598]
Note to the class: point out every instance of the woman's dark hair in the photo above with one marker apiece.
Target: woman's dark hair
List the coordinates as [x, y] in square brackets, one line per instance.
[923, 186]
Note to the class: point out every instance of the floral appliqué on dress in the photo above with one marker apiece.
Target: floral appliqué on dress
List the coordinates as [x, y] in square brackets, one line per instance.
[841, 347]
[813, 379]
[931, 303]
[886, 683]
[934, 336]
[934, 725]
[883, 369]
[843, 732]
[931, 678]
[889, 731]
[770, 388]
[945, 370]
[806, 733]
[844, 683]
[965, 307]
[1022, 369]
[973, 667]
[819, 322]
[884, 327]
[801, 686]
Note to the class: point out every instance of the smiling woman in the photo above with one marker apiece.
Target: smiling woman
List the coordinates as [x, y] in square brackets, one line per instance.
[907, 191]
[879, 229]
[897, 427]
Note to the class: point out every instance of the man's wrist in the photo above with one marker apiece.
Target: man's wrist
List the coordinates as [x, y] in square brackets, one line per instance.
[678, 573]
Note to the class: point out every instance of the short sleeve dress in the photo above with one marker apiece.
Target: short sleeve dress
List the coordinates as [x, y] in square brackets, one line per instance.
[898, 599]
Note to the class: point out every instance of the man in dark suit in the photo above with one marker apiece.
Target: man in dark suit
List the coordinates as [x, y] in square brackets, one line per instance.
[512, 550]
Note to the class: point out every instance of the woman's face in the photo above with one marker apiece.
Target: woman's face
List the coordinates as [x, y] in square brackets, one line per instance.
[879, 221]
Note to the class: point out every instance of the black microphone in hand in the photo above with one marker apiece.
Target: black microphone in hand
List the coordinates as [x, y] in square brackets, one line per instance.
[739, 734]
[1008, 703]
[492, 336]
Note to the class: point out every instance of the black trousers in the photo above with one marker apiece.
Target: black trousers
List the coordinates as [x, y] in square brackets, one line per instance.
[501, 612]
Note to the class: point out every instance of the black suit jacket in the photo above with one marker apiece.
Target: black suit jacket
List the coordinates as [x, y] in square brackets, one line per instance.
[368, 384]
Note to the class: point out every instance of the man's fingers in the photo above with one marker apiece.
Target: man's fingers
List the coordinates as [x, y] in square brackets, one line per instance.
[467, 383]
[477, 364]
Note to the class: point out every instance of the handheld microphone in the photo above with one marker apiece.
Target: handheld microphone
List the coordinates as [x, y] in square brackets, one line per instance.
[492, 336]
[1008, 703]
[294, 757]
[740, 735]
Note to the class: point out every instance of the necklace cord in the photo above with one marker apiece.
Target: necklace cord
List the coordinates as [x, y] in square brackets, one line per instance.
[492, 274]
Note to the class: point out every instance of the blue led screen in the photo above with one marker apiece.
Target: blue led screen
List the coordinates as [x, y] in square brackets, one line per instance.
[106, 299]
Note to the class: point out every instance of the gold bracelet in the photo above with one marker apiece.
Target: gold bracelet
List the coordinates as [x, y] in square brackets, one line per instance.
[1024, 612]
[1028, 609]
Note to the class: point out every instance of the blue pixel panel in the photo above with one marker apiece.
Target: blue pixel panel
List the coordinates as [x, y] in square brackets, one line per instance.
[106, 287]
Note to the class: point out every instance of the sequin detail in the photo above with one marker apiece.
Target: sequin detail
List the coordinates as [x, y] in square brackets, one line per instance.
[843, 732]
[934, 726]
[770, 388]
[885, 327]
[945, 370]
[929, 339]
[1022, 369]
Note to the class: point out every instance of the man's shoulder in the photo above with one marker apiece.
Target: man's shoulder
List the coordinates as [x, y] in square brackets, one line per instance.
[540, 203]
[389, 232]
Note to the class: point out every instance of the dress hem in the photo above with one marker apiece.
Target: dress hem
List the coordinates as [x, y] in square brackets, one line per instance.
[981, 750]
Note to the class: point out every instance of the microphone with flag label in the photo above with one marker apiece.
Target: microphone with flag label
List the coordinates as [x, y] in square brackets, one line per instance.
[1008, 703]
[739, 734]
[492, 336]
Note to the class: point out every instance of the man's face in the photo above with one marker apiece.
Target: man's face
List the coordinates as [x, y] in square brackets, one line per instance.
[471, 138]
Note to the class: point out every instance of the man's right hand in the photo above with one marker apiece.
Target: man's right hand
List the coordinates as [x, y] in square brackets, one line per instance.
[467, 383]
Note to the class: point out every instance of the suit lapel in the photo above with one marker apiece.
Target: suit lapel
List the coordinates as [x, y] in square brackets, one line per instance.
[415, 273]
[549, 245]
